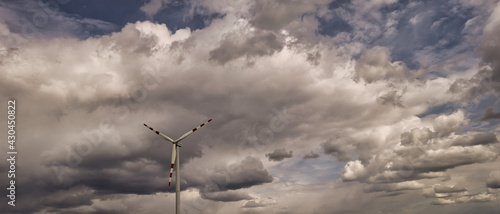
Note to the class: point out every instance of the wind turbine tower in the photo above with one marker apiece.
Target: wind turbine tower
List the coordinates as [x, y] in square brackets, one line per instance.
[175, 161]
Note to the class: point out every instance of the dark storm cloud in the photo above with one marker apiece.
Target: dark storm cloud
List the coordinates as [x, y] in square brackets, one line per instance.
[226, 196]
[493, 180]
[311, 155]
[181, 88]
[334, 149]
[67, 198]
[221, 182]
[108, 174]
[279, 154]
[258, 43]
[448, 189]
[247, 173]
[489, 114]
[476, 139]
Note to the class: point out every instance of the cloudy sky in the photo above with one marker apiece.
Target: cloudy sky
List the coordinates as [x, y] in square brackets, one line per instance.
[319, 106]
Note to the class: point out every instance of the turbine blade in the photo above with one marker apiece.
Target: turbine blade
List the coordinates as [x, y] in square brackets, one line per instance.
[190, 132]
[174, 147]
[159, 133]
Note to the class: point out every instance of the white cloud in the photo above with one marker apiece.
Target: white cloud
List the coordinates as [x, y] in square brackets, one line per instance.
[153, 6]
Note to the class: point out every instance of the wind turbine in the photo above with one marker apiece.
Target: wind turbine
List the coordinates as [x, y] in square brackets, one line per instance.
[175, 160]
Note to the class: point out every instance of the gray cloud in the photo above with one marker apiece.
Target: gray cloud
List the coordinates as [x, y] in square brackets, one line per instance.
[248, 173]
[476, 139]
[259, 203]
[491, 49]
[444, 125]
[236, 45]
[391, 98]
[334, 148]
[489, 114]
[448, 189]
[417, 136]
[279, 154]
[487, 79]
[424, 154]
[394, 187]
[252, 204]
[375, 64]
[72, 197]
[226, 196]
[311, 155]
[493, 180]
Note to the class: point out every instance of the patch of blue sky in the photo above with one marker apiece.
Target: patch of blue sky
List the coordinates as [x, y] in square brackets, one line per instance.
[32, 18]
[309, 171]
[335, 24]
[446, 108]
[473, 110]
[430, 24]
[176, 14]
[476, 111]
[114, 11]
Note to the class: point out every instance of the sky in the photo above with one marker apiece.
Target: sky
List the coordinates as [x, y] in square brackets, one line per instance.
[319, 106]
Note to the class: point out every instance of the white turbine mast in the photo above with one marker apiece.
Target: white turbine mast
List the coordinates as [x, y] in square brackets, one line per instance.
[175, 161]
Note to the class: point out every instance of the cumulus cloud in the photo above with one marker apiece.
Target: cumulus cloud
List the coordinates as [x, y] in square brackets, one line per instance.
[426, 154]
[375, 64]
[249, 70]
[353, 170]
[279, 154]
[417, 136]
[249, 172]
[447, 124]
